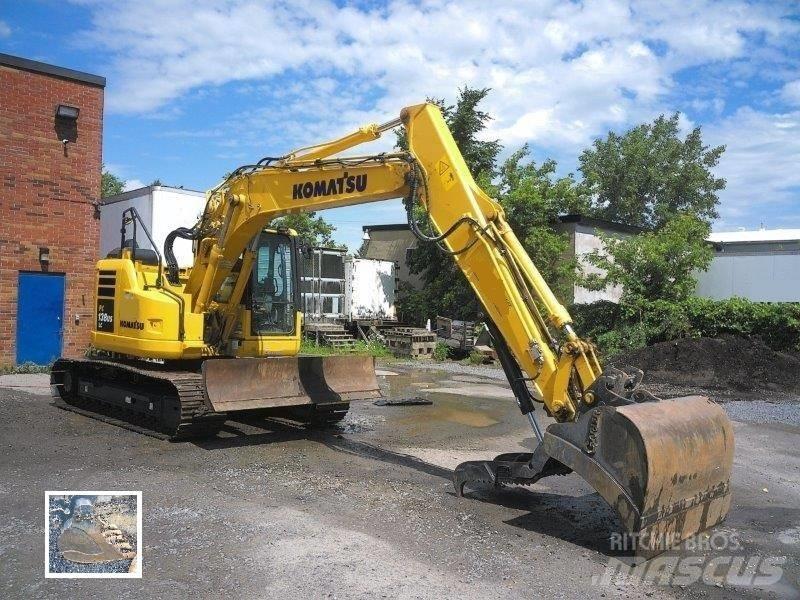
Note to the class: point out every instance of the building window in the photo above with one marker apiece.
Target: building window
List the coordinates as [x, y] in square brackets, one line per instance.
[409, 255]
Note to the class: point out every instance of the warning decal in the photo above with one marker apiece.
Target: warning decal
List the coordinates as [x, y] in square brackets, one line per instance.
[445, 172]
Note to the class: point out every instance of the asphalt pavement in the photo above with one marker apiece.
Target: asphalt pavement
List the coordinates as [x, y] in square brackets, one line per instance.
[368, 511]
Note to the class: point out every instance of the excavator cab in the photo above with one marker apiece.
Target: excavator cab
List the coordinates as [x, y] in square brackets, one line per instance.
[273, 294]
[315, 389]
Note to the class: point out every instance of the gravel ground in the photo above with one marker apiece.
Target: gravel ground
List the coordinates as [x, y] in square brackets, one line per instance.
[449, 366]
[758, 411]
[367, 510]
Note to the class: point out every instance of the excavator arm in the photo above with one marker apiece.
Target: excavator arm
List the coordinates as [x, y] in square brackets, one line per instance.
[663, 465]
[532, 323]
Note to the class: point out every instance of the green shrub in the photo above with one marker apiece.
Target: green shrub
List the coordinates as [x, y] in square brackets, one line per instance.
[371, 348]
[23, 369]
[624, 338]
[595, 319]
[441, 351]
[476, 358]
[618, 328]
[778, 324]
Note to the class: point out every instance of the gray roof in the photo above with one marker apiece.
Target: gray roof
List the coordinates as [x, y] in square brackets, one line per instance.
[39, 67]
[392, 227]
[392, 249]
[600, 223]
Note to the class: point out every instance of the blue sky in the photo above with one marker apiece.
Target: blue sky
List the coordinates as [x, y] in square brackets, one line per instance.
[196, 88]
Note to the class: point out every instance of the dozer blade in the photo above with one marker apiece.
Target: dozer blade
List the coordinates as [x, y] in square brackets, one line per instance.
[664, 466]
[236, 384]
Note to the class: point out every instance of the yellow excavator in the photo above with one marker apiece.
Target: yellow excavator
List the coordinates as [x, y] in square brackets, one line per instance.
[178, 350]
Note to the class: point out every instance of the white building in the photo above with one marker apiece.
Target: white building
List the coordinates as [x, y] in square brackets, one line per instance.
[162, 208]
[763, 266]
[584, 239]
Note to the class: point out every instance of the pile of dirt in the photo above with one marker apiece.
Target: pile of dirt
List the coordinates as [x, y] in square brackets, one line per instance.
[740, 363]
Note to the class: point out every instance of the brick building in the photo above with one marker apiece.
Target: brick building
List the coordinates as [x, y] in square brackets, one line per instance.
[51, 122]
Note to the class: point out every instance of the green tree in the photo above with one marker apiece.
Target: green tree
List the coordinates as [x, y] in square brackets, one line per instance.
[362, 249]
[649, 175]
[655, 265]
[533, 198]
[652, 178]
[656, 272]
[110, 184]
[311, 229]
[466, 122]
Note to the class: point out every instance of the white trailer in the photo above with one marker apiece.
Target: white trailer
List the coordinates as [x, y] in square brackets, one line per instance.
[369, 289]
[162, 209]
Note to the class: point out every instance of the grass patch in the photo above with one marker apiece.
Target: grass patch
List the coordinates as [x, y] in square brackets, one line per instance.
[476, 358]
[23, 369]
[361, 348]
[310, 348]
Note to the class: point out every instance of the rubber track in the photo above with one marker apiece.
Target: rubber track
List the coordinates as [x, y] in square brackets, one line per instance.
[196, 421]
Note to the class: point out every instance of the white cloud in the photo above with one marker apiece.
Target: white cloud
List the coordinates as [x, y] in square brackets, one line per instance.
[760, 166]
[562, 73]
[791, 92]
[133, 184]
[586, 65]
[5, 30]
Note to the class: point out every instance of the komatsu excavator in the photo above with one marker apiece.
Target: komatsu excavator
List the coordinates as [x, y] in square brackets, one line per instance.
[178, 350]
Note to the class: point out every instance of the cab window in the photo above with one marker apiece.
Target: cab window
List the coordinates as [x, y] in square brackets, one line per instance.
[272, 286]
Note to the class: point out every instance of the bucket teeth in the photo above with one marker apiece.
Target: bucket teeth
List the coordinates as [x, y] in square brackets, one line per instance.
[474, 471]
[94, 543]
[663, 466]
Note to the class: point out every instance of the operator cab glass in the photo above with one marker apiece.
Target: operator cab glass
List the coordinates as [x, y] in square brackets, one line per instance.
[272, 286]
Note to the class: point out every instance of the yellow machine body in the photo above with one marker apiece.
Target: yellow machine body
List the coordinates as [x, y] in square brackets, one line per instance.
[137, 318]
[664, 465]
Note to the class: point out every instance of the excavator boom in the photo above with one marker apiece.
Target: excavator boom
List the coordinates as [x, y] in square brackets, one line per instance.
[663, 465]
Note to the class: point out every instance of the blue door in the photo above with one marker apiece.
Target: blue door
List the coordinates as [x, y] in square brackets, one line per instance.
[40, 315]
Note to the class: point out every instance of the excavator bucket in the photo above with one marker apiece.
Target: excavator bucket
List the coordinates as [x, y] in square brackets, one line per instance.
[238, 384]
[664, 466]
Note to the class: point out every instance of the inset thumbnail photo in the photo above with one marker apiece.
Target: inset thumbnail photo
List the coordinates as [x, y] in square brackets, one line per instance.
[93, 534]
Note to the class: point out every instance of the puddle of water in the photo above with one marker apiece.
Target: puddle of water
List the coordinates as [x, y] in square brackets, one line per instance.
[447, 408]
[460, 403]
[466, 417]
